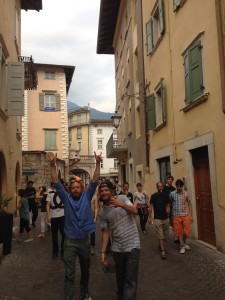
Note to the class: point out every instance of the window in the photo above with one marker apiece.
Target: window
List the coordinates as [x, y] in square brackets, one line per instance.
[99, 131]
[177, 4]
[50, 139]
[164, 167]
[193, 74]
[50, 75]
[70, 135]
[79, 146]
[156, 108]
[78, 119]
[101, 164]
[155, 27]
[79, 133]
[115, 143]
[99, 144]
[49, 102]
[115, 163]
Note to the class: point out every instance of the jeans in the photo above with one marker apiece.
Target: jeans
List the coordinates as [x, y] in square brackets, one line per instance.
[57, 224]
[72, 249]
[33, 207]
[143, 219]
[127, 273]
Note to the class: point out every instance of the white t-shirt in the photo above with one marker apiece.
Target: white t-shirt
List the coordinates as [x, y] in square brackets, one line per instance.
[54, 202]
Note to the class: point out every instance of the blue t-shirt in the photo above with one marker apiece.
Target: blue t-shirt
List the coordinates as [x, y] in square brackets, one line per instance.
[78, 218]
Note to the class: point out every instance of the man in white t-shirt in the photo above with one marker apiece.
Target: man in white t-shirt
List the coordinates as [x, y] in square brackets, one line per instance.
[55, 216]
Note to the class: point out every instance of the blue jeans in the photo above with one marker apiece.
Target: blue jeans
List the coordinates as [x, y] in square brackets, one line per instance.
[72, 249]
[127, 273]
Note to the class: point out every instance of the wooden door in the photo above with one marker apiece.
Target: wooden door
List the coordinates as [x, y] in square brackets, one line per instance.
[204, 207]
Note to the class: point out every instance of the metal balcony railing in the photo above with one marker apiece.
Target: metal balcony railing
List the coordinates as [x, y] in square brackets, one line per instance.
[30, 73]
[116, 146]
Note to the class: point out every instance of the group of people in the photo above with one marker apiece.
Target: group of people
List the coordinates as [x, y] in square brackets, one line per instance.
[74, 213]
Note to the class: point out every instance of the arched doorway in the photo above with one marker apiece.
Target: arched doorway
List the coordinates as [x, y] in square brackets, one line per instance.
[3, 176]
[17, 185]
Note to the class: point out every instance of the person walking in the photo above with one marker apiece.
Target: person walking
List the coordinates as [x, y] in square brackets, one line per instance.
[168, 188]
[55, 216]
[160, 204]
[126, 192]
[79, 224]
[42, 195]
[117, 219]
[24, 217]
[182, 214]
[141, 202]
[31, 196]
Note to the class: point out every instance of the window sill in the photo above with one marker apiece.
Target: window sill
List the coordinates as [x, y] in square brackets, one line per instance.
[196, 102]
[160, 126]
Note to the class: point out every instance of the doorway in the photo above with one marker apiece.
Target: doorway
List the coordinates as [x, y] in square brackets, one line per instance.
[203, 193]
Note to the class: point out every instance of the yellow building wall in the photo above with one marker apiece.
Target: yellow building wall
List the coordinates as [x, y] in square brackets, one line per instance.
[10, 140]
[166, 62]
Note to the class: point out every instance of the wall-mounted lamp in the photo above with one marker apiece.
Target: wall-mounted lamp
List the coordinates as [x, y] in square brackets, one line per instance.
[116, 119]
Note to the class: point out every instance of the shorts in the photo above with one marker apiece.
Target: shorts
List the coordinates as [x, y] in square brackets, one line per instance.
[181, 225]
[162, 228]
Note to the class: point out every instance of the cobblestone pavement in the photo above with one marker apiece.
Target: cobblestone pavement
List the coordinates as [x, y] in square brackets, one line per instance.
[29, 272]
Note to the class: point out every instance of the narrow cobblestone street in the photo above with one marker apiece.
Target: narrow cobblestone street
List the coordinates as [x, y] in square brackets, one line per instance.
[29, 272]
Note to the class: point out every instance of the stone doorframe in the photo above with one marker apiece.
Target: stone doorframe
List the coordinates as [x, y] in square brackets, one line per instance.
[204, 140]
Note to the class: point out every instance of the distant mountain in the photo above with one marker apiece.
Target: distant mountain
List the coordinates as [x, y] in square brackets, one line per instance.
[95, 114]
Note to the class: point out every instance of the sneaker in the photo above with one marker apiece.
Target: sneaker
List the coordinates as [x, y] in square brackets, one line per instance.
[41, 235]
[163, 254]
[144, 232]
[187, 247]
[28, 241]
[17, 239]
[182, 250]
[85, 296]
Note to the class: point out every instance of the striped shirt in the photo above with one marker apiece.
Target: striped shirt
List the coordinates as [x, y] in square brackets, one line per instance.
[122, 226]
[179, 203]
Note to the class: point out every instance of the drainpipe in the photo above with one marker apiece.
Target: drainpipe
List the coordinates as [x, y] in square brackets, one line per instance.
[220, 10]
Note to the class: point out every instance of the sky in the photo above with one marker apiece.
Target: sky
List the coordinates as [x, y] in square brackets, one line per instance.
[65, 33]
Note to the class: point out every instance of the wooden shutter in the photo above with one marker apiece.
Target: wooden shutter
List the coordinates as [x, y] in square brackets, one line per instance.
[149, 37]
[195, 67]
[186, 78]
[161, 16]
[163, 97]
[57, 102]
[15, 80]
[41, 101]
[151, 112]
[50, 139]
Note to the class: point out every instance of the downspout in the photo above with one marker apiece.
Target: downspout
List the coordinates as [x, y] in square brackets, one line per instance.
[147, 145]
[220, 12]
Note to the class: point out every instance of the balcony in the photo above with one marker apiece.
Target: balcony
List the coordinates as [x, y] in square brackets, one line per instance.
[30, 73]
[78, 122]
[116, 147]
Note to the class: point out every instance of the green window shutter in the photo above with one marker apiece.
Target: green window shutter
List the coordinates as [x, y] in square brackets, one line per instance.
[149, 37]
[50, 139]
[15, 80]
[41, 101]
[163, 96]
[151, 112]
[186, 78]
[195, 67]
[57, 102]
[161, 16]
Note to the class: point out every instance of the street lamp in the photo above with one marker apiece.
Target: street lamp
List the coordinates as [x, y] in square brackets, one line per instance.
[116, 119]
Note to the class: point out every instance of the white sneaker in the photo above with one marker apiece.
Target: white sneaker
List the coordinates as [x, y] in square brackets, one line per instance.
[187, 247]
[28, 241]
[182, 250]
